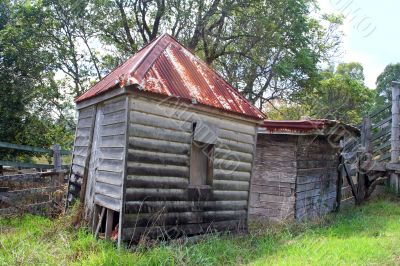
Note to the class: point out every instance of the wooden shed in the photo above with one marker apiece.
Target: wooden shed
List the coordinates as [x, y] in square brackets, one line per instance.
[164, 147]
[296, 169]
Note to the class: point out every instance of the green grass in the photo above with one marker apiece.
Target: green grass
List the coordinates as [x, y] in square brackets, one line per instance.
[369, 235]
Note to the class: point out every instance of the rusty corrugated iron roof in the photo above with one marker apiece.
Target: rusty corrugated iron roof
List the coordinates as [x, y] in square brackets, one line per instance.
[313, 126]
[166, 67]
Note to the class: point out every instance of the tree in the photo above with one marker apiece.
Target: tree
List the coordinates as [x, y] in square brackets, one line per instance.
[340, 95]
[268, 50]
[384, 82]
[52, 50]
[28, 91]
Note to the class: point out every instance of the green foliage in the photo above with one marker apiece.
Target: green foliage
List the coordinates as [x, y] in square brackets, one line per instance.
[340, 95]
[364, 235]
[52, 51]
[29, 96]
[383, 96]
[384, 82]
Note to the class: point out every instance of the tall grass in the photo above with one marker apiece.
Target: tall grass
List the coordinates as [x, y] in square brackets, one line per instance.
[369, 235]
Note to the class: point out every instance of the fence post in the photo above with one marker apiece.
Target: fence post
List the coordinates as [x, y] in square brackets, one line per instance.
[366, 135]
[395, 137]
[57, 157]
[364, 163]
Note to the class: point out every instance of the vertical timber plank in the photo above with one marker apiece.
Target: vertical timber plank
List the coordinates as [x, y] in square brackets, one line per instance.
[395, 137]
[251, 178]
[129, 107]
[57, 157]
[109, 223]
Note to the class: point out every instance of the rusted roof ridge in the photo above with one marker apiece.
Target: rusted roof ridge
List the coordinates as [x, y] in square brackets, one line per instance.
[148, 53]
[166, 67]
[307, 126]
[114, 69]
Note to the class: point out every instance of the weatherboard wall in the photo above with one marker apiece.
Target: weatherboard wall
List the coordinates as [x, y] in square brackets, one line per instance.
[98, 164]
[80, 155]
[159, 198]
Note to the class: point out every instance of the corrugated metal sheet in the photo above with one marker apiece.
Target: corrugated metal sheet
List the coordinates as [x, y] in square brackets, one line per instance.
[166, 67]
[300, 126]
[315, 126]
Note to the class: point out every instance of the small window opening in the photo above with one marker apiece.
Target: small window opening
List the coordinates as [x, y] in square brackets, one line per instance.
[201, 164]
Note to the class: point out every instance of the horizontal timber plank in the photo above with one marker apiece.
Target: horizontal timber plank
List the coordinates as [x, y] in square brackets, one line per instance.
[227, 154]
[135, 168]
[137, 130]
[221, 174]
[136, 181]
[107, 202]
[147, 194]
[113, 118]
[109, 190]
[236, 136]
[183, 206]
[178, 218]
[158, 145]
[231, 185]
[159, 122]
[234, 146]
[232, 165]
[109, 177]
[155, 157]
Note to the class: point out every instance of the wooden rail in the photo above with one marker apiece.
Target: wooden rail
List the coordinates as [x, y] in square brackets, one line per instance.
[375, 156]
[55, 152]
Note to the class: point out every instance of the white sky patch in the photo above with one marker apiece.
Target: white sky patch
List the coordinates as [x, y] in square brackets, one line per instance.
[372, 67]
[194, 90]
[359, 29]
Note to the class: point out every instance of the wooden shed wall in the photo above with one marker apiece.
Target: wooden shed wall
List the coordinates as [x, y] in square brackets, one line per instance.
[295, 176]
[99, 155]
[317, 176]
[157, 194]
[272, 192]
[107, 162]
[80, 155]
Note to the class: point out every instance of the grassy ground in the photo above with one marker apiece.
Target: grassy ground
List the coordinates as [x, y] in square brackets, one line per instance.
[369, 235]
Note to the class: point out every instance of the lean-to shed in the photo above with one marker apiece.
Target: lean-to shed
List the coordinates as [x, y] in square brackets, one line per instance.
[296, 169]
[163, 146]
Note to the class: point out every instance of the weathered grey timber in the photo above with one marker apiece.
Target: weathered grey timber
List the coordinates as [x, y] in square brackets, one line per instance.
[395, 135]
[132, 156]
[295, 175]
[164, 147]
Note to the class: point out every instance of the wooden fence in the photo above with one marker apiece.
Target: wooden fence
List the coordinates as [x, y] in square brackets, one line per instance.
[55, 153]
[380, 124]
[40, 192]
[37, 193]
[364, 160]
